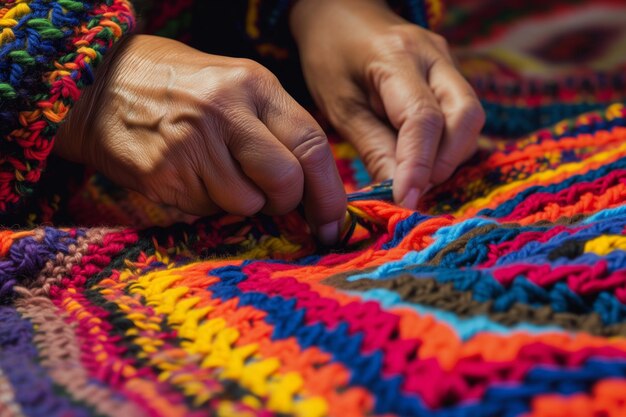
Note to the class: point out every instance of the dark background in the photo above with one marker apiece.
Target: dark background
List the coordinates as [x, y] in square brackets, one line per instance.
[218, 28]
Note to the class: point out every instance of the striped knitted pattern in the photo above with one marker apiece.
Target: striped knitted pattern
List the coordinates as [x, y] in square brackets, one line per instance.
[503, 295]
[507, 297]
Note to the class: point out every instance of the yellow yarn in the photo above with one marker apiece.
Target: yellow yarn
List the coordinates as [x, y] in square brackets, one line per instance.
[544, 177]
[604, 245]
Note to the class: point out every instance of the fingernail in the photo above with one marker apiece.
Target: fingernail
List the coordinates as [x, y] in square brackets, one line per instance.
[411, 198]
[328, 233]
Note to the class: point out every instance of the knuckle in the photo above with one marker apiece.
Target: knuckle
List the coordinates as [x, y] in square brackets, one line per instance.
[473, 114]
[253, 74]
[430, 117]
[314, 150]
[242, 76]
[400, 38]
[439, 40]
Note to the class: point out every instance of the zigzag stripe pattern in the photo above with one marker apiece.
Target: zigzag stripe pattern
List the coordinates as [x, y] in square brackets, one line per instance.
[477, 307]
[503, 295]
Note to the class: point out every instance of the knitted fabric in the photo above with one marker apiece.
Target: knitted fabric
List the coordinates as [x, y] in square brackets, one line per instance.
[536, 62]
[503, 295]
[47, 53]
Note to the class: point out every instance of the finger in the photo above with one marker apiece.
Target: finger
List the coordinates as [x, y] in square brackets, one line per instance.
[185, 190]
[374, 141]
[269, 164]
[192, 198]
[223, 179]
[463, 115]
[441, 44]
[414, 111]
[324, 196]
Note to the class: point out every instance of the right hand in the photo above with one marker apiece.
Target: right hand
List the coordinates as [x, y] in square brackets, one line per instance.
[204, 133]
[389, 87]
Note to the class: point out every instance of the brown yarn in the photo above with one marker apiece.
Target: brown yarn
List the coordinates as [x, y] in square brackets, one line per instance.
[429, 292]
[8, 406]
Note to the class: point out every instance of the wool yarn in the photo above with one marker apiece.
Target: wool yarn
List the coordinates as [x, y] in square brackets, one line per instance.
[504, 294]
[506, 298]
[48, 52]
[535, 63]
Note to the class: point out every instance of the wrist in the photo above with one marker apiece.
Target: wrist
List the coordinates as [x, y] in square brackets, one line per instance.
[71, 134]
[306, 16]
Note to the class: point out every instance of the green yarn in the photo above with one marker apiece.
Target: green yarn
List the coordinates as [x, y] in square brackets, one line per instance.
[22, 58]
[7, 92]
[45, 28]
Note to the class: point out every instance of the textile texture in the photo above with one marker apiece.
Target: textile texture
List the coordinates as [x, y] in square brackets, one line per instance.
[503, 295]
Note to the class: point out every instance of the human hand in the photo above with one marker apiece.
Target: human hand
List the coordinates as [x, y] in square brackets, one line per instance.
[204, 133]
[390, 88]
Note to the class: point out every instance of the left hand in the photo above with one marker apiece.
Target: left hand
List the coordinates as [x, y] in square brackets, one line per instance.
[390, 88]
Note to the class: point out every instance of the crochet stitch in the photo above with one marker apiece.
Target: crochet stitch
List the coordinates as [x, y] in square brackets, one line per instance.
[510, 304]
[504, 294]
[47, 53]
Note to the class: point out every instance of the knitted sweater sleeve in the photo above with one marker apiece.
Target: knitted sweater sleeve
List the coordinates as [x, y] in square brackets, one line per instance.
[49, 50]
[266, 21]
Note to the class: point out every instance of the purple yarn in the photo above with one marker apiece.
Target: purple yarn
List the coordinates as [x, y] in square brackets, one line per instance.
[27, 257]
[34, 391]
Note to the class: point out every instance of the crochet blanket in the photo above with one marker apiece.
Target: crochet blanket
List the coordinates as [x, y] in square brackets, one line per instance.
[503, 295]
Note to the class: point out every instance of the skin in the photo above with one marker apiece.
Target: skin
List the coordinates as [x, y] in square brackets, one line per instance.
[208, 134]
[390, 88]
[204, 133]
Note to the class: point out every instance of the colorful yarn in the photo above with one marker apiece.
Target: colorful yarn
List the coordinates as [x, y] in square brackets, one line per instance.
[503, 295]
[535, 63]
[48, 52]
[506, 299]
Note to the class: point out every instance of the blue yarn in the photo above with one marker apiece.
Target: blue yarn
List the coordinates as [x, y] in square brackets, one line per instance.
[507, 208]
[442, 238]
[345, 348]
[610, 213]
[404, 227]
[417, 12]
[485, 288]
[465, 327]
[515, 121]
[361, 176]
[289, 322]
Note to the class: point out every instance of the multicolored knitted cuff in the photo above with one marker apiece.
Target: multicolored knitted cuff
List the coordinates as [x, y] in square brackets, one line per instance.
[48, 53]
